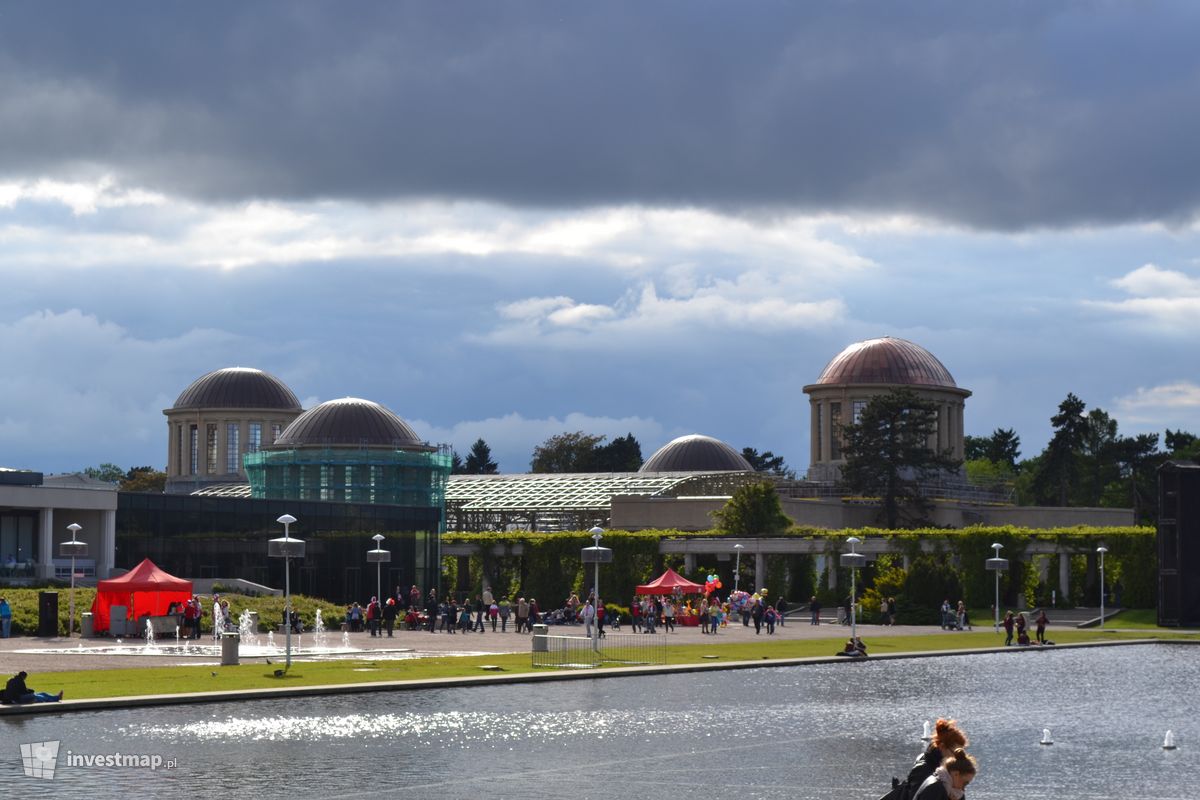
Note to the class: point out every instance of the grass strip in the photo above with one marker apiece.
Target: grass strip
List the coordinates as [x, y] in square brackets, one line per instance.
[85, 684]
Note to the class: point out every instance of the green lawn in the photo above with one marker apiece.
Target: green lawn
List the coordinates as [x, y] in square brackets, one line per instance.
[1135, 618]
[170, 680]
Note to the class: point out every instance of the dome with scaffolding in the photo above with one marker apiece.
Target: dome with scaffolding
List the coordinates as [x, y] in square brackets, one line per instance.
[349, 422]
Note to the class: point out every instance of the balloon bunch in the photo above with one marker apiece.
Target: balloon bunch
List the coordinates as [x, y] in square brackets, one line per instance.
[738, 599]
[712, 584]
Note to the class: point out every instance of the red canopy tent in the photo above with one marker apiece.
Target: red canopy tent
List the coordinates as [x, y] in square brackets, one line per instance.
[145, 589]
[670, 582]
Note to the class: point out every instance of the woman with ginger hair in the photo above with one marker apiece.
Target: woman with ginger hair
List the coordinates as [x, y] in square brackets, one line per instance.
[947, 738]
[949, 780]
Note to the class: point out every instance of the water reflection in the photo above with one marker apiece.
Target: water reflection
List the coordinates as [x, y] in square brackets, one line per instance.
[825, 731]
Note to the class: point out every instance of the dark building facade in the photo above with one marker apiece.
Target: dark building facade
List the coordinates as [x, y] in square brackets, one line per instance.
[226, 537]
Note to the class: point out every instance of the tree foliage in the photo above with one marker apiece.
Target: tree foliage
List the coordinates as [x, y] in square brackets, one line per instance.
[479, 460]
[888, 454]
[767, 461]
[1003, 447]
[753, 510]
[107, 472]
[143, 479]
[584, 452]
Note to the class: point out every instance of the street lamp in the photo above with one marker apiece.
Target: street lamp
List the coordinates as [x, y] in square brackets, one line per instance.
[854, 561]
[1101, 550]
[286, 548]
[596, 555]
[737, 564]
[379, 557]
[72, 549]
[997, 565]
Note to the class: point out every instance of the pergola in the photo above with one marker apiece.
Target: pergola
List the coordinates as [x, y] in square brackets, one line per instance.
[567, 501]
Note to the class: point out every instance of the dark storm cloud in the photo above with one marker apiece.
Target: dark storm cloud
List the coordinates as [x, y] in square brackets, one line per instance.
[989, 115]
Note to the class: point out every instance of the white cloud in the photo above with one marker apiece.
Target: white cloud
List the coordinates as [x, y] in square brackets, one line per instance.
[513, 437]
[76, 384]
[1165, 405]
[146, 228]
[1163, 298]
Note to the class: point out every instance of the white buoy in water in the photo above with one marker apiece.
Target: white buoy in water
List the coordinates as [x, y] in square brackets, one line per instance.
[1169, 741]
[1046, 737]
[926, 732]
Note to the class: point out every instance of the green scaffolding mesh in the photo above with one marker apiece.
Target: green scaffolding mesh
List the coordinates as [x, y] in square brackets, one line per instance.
[351, 475]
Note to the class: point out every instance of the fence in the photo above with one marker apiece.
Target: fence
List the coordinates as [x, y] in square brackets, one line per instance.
[615, 649]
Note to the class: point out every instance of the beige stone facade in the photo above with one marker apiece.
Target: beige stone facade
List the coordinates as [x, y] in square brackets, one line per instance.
[205, 445]
[836, 405]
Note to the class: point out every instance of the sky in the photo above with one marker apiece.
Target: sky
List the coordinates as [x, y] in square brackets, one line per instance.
[513, 220]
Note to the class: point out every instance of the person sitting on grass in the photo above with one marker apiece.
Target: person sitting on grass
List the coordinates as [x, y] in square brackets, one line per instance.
[17, 692]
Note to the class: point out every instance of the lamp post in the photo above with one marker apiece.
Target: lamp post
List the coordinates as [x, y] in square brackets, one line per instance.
[854, 561]
[596, 555]
[72, 548]
[379, 557]
[286, 548]
[1101, 550]
[737, 564]
[997, 565]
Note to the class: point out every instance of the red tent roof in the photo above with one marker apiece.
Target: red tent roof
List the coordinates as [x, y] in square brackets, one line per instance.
[143, 590]
[669, 583]
[145, 577]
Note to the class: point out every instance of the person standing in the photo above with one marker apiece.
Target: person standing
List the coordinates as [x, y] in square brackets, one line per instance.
[946, 625]
[480, 609]
[1042, 622]
[891, 611]
[704, 615]
[5, 618]
[522, 614]
[373, 616]
[781, 610]
[505, 612]
[389, 615]
[669, 615]
[635, 614]
[589, 618]
[431, 610]
[1008, 628]
[757, 614]
[814, 610]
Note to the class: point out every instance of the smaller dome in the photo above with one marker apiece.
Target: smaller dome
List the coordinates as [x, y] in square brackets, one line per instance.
[349, 422]
[887, 360]
[696, 453]
[238, 387]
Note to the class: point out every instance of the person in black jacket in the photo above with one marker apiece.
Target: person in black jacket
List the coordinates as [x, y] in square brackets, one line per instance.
[947, 737]
[15, 691]
[949, 781]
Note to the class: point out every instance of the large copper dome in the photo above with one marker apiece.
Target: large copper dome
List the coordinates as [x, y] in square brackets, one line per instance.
[888, 361]
[349, 422]
[696, 453]
[238, 387]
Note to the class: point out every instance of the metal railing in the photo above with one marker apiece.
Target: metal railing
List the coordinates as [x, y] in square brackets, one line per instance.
[614, 650]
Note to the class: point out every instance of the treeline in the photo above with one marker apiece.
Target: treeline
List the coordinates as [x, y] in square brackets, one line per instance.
[1087, 462]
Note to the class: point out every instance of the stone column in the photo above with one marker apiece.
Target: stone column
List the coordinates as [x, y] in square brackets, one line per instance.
[689, 563]
[45, 556]
[831, 563]
[106, 558]
[760, 570]
[1064, 576]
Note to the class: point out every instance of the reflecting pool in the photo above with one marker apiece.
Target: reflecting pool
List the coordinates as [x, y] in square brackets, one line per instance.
[822, 731]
